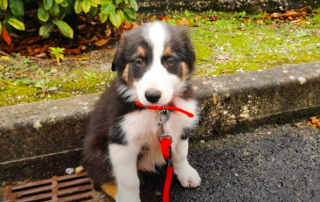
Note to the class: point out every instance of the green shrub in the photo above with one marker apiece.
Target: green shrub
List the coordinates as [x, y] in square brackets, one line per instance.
[52, 13]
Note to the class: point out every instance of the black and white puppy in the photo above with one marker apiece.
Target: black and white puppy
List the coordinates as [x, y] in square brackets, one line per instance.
[154, 64]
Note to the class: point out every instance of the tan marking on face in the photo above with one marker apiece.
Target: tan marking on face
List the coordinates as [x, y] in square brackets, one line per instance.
[184, 70]
[141, 51]
[125, 74]
[167, 51]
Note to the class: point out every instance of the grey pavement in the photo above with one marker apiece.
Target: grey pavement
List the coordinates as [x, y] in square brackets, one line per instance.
[272, 163]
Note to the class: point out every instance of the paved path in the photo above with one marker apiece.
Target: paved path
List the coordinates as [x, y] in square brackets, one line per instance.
[274, 163]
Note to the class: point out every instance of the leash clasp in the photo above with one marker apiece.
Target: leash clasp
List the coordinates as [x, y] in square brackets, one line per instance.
[163, 118]
[163, 115]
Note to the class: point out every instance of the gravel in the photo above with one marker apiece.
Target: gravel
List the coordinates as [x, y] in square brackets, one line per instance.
[273, 163]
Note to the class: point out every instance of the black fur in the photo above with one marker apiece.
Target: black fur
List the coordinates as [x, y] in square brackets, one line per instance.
[186, 133]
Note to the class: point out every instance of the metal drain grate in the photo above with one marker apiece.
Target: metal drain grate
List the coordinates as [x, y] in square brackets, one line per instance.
[76, 187]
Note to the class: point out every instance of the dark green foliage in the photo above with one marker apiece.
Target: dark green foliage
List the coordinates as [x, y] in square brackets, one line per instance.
[52, 13]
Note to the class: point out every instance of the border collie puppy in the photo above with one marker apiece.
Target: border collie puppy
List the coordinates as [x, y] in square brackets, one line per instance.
[154, 64]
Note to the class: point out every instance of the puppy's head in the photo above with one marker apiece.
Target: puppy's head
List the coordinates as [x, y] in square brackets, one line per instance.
[154, 62]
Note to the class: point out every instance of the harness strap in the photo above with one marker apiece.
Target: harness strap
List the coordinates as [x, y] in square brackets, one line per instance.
[168, 107]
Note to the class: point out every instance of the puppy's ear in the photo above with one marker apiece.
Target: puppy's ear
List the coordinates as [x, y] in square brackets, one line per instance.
[119, 53]
[114, 62]
[191, 53]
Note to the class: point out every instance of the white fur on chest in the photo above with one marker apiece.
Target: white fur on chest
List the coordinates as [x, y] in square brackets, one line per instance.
[141, 129]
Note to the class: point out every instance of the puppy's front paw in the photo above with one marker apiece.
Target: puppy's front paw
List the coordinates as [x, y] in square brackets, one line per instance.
[188, 176]
[120, 198]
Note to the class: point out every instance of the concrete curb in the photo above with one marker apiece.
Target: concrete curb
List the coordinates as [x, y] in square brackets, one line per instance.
[38, 140]
[225, 5]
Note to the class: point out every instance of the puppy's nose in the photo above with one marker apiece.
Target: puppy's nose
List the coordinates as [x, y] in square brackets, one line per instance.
[152, 95]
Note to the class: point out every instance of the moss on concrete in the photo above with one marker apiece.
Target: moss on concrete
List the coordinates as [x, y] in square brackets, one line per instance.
[224, 46]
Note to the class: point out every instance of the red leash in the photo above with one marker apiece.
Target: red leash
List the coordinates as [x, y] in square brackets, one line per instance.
[165, 143]
[166, 153]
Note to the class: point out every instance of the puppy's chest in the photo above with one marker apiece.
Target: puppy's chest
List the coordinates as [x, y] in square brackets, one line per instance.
[142, 131]
[142, 126]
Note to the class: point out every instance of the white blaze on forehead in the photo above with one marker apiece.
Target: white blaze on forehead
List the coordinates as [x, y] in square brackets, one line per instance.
[156, 36]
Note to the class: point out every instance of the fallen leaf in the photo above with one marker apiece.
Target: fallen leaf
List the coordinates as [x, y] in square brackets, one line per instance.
[183, 21]
[153, 18]
[93, 39]
[5, 58]
[164, 18]
[303, 21]
[314, 121]
[245, 20]
[41, 55]
[6, 36]
[260, 22]
[4, 83]
[275, 15]
[101, 42]
[81, 58]
[213, 18]
[205, 17]
[290, 13]
[79, 169]
[109, 48]
[196, 18]
[82, 27]
[304, 9]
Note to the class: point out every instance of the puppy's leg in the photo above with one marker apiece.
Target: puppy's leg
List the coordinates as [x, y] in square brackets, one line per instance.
[124, 166]
[186, 174]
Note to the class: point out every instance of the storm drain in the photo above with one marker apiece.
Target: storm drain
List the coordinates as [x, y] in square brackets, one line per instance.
[75, 187]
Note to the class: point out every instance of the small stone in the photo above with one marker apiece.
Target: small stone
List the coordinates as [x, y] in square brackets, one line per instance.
[37, 125]
[292, 77]
[70, 171]
[236, 174]
[302, 80]
[79, 169]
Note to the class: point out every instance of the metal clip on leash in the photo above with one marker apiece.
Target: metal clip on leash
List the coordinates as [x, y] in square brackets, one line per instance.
[163, 118]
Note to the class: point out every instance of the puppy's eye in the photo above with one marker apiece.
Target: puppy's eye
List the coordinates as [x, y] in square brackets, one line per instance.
[171, 62]
[138, 62]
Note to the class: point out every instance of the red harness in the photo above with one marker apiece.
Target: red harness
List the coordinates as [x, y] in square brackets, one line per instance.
[167, 106]
[165, 143]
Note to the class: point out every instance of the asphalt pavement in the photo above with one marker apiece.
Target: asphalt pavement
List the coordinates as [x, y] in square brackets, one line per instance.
[272, 163]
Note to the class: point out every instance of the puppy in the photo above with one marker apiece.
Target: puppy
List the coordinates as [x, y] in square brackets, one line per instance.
[154, 64]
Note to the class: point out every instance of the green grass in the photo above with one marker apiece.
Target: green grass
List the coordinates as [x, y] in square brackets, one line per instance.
[231, 50]
[224, 46]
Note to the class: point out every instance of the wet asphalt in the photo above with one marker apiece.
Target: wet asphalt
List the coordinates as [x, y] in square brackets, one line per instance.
[272, 163]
